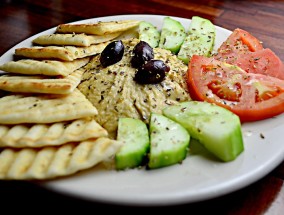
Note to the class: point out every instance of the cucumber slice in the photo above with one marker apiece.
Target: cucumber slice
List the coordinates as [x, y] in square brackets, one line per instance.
[149, 33]
[134, 133]
[172, 35]
[200, 39]
[218, 129]
[169, 142]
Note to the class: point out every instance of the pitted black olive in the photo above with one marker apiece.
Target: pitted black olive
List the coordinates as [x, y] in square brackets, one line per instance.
[112, 53]
[152, 72]
[142, 53]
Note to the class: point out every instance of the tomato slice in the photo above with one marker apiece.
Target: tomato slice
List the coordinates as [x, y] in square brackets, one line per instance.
[240, 41]
[244, 50]
[251, 96]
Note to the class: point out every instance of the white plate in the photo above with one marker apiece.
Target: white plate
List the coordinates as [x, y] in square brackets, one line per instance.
[197, 178]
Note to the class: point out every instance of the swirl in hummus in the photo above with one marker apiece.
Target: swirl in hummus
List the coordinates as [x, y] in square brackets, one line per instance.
[115, 94]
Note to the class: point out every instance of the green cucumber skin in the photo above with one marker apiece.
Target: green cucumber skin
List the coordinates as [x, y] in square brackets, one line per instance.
[200, 39]
[218, 129]
[169, 142]
[149, 33]
[135, 135]
[172, 35]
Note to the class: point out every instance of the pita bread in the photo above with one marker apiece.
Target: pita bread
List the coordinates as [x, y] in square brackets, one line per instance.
[65, 53]
[52, 162]
[45, 108]
[99, 28]
[39, 135]
[41, 84]
[74, 39]
[44, 67]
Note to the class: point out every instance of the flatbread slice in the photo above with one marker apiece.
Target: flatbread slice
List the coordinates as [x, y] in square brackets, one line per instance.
[99, 28]
[74, 39]
[44, 67]
[45, 108]
[41, 84]
[39, 135]
[65, 53]
[52, 162]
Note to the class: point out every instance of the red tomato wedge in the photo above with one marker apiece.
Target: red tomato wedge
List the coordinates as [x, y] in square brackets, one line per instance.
[240, 41]
[246, 51]
[251, 96]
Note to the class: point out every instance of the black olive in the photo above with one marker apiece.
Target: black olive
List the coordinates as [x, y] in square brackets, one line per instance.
[142, 53]
[112, 53]
[152, 72]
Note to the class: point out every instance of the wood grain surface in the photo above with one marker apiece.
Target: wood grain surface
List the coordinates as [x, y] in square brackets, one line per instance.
[21, 19]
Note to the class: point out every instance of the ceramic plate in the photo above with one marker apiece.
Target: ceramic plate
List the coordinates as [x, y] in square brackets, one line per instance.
[198, 178]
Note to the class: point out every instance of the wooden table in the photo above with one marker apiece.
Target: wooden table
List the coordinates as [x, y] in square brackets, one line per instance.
[264, 19]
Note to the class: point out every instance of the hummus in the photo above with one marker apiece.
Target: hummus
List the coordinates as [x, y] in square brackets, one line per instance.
[115, 94]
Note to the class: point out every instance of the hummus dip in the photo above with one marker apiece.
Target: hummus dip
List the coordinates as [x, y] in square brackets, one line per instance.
[115, 94]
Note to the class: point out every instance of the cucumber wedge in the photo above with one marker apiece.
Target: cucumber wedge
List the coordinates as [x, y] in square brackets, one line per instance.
[172, 35]
[169, 142]
[149, 33]
[135, 135]
[218, 129]
[200, 39]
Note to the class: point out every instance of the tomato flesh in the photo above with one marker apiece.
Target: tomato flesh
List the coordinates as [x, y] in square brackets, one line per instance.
[240, 41]
[251, 96]
[224, 90]
[244, 50]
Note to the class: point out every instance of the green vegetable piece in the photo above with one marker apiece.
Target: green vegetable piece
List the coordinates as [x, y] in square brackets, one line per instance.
[218, 129]
[169, 142]
[200, 39]
[172, 35]
[135, 135]
[149, 33]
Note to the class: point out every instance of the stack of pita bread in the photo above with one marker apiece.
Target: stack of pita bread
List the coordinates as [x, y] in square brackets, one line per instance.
[47, 126]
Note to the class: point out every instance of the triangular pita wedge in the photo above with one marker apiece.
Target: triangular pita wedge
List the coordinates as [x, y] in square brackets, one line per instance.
[45, 108]
[99, 28]
[74, 39]
[41, 84]
[39, 135]
[44, 67]
[65, 53]
[52, 162]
